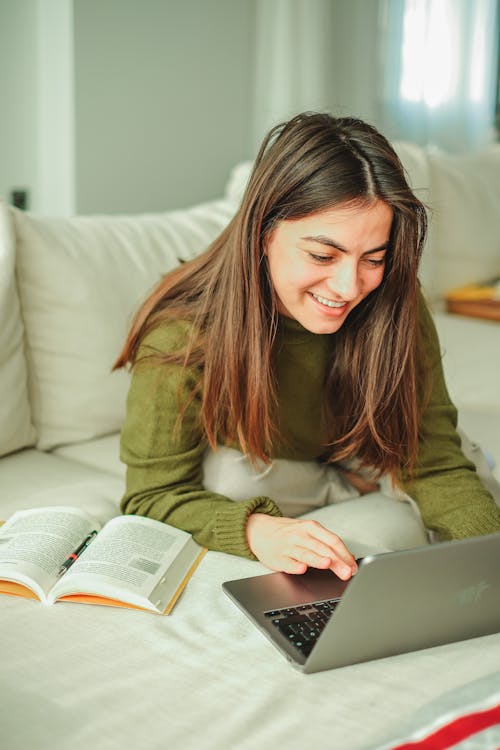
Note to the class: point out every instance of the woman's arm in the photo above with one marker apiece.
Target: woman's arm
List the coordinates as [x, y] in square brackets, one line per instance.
[165, 481]
[164, 464]
[452, 500]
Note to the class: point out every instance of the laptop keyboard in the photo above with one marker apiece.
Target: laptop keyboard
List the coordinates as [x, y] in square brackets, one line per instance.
[303, 625]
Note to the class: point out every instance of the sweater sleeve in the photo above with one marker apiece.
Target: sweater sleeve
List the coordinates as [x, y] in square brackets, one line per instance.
[445, 485]
[164, 455]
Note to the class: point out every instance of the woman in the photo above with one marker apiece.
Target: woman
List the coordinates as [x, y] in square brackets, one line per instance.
[298, 339]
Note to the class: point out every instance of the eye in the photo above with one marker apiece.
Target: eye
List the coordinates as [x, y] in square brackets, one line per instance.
[375, 262]
[320, 258]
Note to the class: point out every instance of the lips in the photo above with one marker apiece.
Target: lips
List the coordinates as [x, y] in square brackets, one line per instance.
[327, 302]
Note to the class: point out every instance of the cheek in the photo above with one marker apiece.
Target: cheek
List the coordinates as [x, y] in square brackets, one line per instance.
[287, 274]
[277, 274]
[301, 280]
[373, 279]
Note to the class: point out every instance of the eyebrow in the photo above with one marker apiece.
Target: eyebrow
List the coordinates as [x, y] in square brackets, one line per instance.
[323, 240]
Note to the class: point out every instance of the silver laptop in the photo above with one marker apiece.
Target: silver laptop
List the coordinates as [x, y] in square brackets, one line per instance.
[396, 602]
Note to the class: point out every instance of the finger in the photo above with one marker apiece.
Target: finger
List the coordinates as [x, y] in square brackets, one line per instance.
[343, 571]
[343, 563]
[312, 558]
[335, 564]
[315, 545]
[314, 537]
[296, 567]
[334, 543]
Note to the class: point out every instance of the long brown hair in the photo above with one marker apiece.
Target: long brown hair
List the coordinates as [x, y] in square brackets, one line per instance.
[371, 400]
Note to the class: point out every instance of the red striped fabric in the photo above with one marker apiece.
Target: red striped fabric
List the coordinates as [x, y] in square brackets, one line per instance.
[455, 731]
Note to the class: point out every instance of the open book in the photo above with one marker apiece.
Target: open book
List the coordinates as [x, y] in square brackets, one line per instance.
[62, 554]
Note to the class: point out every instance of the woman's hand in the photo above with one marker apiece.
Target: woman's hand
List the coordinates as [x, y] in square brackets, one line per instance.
[292, 545]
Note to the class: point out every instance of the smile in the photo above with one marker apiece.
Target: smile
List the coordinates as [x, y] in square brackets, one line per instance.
[327, 302]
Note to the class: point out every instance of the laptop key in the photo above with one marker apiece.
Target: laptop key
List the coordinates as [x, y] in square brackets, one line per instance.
[285, 622]
[302, 641]
[302, 625]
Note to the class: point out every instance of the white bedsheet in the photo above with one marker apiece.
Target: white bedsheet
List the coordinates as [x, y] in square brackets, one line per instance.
[84, 677]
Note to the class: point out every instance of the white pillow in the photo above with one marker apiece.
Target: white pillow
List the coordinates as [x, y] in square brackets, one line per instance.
[471, 361]
[466, 203]
[416, 163]
[80, 281]
[16, 430]
[238, 180]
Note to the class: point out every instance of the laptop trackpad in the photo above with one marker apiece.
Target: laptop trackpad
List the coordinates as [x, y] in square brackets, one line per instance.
[322, 584]
[278, 590]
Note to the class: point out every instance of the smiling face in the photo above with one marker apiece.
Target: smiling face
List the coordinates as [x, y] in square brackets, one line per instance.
[325, 264]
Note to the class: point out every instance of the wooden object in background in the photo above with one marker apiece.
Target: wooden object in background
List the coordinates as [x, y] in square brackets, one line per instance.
[476, 300]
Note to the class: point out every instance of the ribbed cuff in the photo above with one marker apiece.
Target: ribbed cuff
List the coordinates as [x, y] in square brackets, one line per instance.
[482, 521]
[231, 521]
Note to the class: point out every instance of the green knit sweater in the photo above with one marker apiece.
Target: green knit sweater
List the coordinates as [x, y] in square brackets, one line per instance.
[164, 465]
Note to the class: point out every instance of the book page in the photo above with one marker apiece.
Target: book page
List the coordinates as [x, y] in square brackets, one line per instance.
[35, 543]
[126, 560]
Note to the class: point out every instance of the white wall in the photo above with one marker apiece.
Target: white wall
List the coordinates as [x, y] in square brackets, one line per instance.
[145, 105]
[18, 88]
[123, 105]
[55, 109]
[163, 97]
[355, 59]
[36, 87]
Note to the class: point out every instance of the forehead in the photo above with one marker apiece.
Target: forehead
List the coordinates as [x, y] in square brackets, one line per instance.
[343, 220]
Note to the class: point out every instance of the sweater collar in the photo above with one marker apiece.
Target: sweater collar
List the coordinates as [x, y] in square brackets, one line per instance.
[294, 332]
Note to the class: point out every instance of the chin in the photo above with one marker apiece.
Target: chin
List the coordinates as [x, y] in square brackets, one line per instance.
[322, 326]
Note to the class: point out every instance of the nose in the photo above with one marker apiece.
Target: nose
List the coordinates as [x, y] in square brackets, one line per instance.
[344, 280]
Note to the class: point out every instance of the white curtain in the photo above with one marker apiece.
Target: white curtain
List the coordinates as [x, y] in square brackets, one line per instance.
[291, 60]
[439, 69]
[433, 81]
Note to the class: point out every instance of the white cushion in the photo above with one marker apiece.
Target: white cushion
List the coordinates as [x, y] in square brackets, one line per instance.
[102, 453]
[471, 362]
[465, 203]
[16, 430]
[238, 180]
[480, 424]
[33, 479]
[416, 163]
[80, 281]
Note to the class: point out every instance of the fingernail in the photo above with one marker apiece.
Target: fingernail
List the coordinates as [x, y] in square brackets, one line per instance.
[345, 572]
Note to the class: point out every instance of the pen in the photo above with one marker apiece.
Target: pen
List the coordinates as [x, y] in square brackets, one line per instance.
[76, 553]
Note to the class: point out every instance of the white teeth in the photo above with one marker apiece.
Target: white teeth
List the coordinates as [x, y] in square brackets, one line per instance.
[327, 302]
